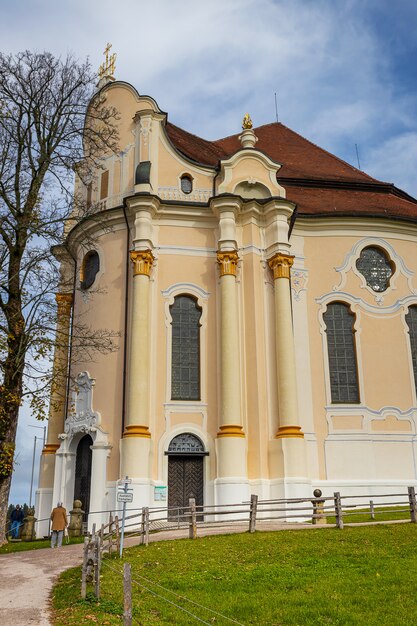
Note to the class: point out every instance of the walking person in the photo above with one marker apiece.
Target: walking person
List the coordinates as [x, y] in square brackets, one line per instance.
[16, 519]
[59, 523]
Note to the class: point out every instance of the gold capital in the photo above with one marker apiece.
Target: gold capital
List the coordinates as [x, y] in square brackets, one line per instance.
[231, 430]
[227, 262]
[281, 264]
[142, 262]
[136, 430]
[289, 431]
[64, 301]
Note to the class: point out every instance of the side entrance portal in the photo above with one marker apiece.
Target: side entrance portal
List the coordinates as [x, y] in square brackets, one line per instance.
[83, 472]
[185, 473]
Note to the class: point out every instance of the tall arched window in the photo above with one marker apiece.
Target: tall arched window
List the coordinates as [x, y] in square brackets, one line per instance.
[89, 269]
[343, 372]
[185, 363]
[411, 319]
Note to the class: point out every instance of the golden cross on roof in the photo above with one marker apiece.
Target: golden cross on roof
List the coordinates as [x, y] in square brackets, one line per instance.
[108, 67]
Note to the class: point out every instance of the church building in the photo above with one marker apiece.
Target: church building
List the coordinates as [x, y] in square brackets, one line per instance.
[265, 296]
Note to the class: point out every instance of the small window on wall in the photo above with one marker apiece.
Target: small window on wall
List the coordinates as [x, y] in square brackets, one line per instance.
[89, 269]
[104, 185]
[185, 357]
[411, 319]
[376, 268]
[186, 184]
[341, 349]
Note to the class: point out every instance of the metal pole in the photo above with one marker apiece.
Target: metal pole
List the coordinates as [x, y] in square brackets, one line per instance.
[33, 467]
[123, 521]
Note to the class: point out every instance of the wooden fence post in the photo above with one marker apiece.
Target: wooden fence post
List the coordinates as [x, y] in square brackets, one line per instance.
[372, 509]
[146, 526]
[84, 569]
[97, 567]
[116, 523]
[413, 504]
[142, 534]
[192, 531]
[127, 595]
[252, 514]
[338, 510]
[110, 534]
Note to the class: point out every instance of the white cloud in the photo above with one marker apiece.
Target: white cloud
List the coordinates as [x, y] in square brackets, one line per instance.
[395, 160]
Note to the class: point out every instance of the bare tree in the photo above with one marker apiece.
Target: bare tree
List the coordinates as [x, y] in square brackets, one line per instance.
[45, 136]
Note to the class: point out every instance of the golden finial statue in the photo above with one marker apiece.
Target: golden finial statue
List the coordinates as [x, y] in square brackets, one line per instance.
[247, 122]
[108, 67]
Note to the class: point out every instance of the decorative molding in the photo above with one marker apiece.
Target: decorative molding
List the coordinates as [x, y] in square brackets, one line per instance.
[81, 417]
[280, 265]
[227, 262]
[359, 303]
[289, 431]
[231, 430]
[136, 430]
[142, 262]
[65, 302]
[349, 264]
[299, 280]
[369, 417]
[174, 193]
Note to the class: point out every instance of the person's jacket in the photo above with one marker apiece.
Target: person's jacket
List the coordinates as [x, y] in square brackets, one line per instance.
[59, 518]
[16, 515]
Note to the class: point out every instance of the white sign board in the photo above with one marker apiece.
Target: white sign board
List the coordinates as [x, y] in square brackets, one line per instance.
[124, 497]
[160, 493]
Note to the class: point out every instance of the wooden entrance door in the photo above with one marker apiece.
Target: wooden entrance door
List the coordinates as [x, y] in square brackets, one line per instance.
[185, 481]
[83, 472]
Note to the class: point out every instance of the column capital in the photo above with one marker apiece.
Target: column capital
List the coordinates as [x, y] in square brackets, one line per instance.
[280, 265]
[227, 262]
[142, 262]
[64, 301]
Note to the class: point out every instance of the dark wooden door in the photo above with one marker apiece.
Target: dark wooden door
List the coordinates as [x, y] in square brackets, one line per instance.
[83, 472]
[185, 481]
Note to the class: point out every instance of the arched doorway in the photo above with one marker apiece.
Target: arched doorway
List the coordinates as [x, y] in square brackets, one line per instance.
[82, 483]
[185, 472]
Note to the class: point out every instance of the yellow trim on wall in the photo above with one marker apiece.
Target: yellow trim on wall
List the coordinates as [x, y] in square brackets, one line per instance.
[50, 448]
[227, 262]
[289, 431]
[136, 430]
[231, 430]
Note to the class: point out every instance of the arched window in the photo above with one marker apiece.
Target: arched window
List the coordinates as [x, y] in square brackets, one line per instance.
[339, 322]
[186, 183]
[89, 269]
[375, 267]
[411, 319]
[185, 359]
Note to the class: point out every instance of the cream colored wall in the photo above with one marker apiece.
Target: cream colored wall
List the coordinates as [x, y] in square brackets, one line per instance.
[102, 307]
[383, 352]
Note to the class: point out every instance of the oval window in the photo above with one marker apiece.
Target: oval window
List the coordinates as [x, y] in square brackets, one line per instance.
[89, 269]
[375, 267]
[186, 184]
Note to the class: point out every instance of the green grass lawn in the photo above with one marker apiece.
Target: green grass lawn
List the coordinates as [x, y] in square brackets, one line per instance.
[363, 575]
[22, 546]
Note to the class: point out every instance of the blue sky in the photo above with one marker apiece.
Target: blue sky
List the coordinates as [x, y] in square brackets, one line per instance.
[345, 72]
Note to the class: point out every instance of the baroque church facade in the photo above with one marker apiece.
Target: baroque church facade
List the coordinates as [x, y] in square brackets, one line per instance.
[265, 293]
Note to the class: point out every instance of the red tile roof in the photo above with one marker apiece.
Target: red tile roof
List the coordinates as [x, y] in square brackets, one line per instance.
[319, 182]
